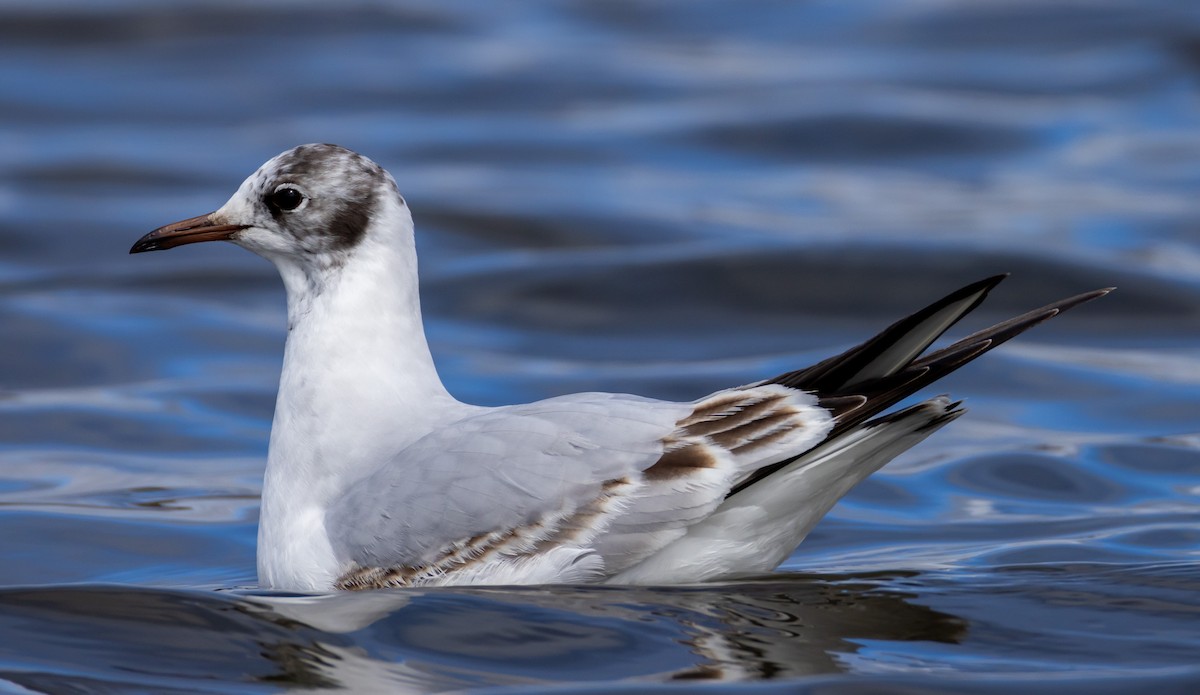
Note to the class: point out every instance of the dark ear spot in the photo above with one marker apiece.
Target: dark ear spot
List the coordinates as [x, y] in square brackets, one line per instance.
[350, 221]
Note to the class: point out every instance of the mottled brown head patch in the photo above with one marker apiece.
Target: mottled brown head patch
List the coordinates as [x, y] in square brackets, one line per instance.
[341, 187]
[311, 161]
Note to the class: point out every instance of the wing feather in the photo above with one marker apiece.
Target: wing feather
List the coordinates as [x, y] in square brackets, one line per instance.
[613, 480]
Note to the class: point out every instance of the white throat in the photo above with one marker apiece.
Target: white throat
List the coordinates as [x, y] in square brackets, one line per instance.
[358, 385]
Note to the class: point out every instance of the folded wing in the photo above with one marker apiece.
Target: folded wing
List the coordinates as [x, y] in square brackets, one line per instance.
[594, 486]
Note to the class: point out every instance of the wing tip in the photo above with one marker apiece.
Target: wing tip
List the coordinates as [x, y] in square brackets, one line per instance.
[851, 408]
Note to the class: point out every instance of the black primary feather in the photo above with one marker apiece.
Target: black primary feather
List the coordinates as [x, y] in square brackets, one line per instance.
[875, 375]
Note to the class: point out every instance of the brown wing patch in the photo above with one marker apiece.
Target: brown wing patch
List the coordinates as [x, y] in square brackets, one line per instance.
[733, 422]
[743, 412]
[680, 462]
[456, 557]
[583, 523]
[736, 421]
[767, 426]
[555, 529]
[715, 407]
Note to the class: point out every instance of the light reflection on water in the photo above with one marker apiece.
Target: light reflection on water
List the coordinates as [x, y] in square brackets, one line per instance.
[662, 198]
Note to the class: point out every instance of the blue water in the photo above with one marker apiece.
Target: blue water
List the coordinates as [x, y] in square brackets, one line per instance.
[657, 197]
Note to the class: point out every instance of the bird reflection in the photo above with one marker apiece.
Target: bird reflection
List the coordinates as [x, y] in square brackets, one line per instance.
[408, 641]
[774, 627]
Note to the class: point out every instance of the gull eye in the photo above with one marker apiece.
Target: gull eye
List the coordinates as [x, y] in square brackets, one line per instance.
[285, 198]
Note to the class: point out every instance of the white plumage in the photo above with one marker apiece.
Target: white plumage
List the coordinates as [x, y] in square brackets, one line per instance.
[378, 477]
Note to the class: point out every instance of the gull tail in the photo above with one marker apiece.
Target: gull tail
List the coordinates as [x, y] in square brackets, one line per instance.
[869, 378]
[766, 516]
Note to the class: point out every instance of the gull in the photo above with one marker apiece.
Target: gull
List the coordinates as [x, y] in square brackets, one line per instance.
[377, 477]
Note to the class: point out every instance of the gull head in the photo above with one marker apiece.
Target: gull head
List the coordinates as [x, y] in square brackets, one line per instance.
[310, 208]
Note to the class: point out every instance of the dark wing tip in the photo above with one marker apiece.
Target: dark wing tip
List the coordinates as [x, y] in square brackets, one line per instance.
[894, 347]
[853, 401]
[1085, 297]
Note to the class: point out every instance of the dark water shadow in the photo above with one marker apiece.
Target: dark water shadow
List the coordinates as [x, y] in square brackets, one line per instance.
[122, 638]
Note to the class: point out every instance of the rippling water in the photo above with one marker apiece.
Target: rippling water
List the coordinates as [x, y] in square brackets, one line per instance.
[657, 197]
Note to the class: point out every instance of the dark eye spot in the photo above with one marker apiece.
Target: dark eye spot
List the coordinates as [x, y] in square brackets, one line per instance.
[285, 199]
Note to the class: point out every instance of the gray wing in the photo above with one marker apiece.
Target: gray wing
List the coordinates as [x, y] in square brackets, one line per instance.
[566, 489]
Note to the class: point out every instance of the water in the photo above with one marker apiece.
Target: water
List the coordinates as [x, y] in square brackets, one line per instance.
[657, 197]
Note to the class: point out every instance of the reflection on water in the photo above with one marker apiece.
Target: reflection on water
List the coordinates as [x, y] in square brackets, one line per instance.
[657, 197]
[436, 640]
[773, 628]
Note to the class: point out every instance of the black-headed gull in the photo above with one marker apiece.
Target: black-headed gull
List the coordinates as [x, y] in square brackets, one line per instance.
[378, 477]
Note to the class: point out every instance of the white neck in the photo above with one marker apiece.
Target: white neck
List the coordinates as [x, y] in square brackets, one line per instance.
[358, 385]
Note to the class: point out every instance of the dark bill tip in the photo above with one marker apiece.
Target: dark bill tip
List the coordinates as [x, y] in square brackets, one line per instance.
[190, 231]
